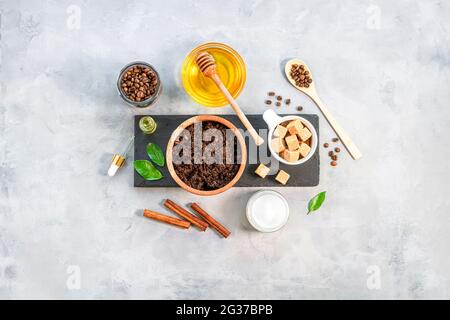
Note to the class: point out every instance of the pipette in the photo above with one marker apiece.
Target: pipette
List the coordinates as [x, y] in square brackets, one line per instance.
[118, 159]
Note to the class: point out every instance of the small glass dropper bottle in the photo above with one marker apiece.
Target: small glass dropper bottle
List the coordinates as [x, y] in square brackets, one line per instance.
[147, 124]
[119, 158]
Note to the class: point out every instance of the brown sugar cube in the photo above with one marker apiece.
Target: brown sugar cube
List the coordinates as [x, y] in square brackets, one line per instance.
[294, 123]
[304, 134]
[290, 156]
[278, 145]
[295, 126]
[280, 131]
[304, 149]
[262, 171]
[292, 142]
[282, 177]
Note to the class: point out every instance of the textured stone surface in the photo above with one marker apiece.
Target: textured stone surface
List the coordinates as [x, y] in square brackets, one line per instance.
[383, 69]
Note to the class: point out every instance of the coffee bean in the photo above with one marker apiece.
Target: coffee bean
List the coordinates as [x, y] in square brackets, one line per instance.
[334, 157]
[288, 101]
[299, 108]
[268, 102]
[325, 145]
[300, 76]
[330, 153]
[335, 139]
[333, 163]
[278, 104]
[139, 83]
[337, 149]
[271, 93]
[279, 98]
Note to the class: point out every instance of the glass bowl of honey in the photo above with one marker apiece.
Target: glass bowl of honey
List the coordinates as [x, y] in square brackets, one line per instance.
[230, 67]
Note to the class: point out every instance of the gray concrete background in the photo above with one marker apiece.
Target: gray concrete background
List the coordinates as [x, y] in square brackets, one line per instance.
[383, 69]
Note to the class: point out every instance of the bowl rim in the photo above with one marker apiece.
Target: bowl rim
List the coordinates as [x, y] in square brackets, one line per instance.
[202, 118]
[205, 46]
[314, 141]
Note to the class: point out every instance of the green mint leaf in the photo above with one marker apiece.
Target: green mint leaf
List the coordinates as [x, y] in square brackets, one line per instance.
[155, 153]
[147, 170]
[315, 203]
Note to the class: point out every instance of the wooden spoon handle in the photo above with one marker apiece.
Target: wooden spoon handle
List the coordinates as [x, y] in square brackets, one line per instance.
[237, 109]
[346, 141]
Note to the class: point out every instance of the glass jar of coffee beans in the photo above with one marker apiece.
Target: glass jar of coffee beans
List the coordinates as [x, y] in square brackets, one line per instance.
[139, 84]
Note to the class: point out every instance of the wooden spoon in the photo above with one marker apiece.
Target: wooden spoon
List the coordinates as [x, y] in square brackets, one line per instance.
[311, 92]
[207, 65]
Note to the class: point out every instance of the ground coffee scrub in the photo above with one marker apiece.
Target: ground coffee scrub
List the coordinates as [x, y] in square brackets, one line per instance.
[206, 155]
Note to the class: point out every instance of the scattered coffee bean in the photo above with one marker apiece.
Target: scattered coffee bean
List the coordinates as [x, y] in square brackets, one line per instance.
[288, 101]
[278, 104]
[279, 98]
[139, 83]
[268, 102]
[333, 163]
[271, 93]
[299, 108]
[335, 139]
[300, 76]
[330, 153]
[326, 145]
[337, 149]
[334, 157]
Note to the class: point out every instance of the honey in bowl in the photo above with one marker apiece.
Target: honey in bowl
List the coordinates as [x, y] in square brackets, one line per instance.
[229, 66]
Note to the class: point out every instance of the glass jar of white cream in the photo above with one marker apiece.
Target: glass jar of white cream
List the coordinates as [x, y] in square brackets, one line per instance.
[267, 211]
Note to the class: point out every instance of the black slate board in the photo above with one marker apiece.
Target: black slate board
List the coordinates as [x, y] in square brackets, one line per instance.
[304, 175]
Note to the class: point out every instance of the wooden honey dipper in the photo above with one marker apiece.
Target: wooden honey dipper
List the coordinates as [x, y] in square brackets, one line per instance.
[207, 65]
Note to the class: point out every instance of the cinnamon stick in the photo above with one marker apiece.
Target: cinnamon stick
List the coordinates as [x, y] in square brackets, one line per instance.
[169, 204]
[216, 225]
[163, 218]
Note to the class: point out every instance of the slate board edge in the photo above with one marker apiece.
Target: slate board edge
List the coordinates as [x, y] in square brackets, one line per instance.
[249, 167]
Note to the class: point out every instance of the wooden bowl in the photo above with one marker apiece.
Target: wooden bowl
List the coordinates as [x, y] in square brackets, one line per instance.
[180, 129]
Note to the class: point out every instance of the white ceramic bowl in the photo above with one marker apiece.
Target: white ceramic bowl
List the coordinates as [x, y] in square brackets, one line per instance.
[272, 120]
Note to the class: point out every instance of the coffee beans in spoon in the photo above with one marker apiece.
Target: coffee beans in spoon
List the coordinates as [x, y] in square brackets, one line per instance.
[139, 83]
[300, 75]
